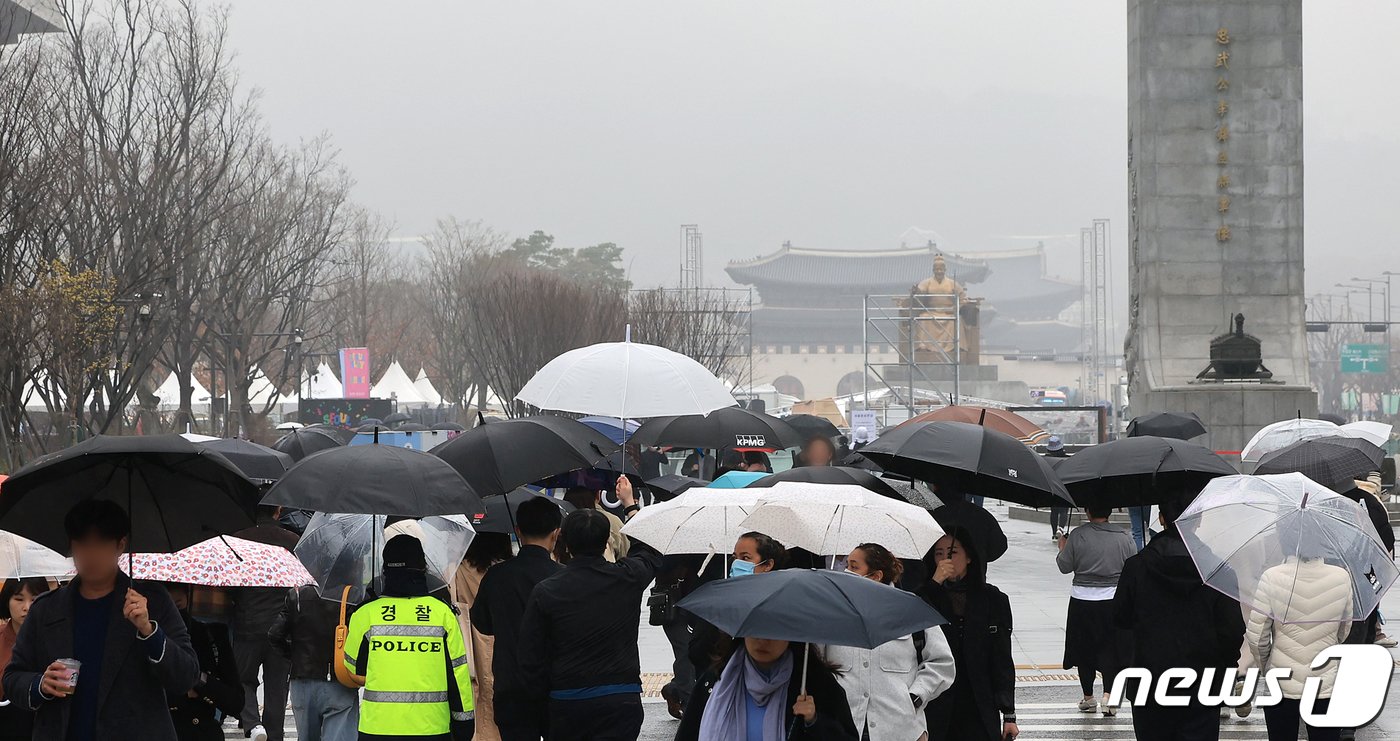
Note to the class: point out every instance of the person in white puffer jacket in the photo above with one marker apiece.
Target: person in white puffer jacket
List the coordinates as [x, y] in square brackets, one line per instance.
[1313, 600]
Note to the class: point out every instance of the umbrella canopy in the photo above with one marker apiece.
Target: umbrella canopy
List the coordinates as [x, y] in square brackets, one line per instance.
[736, 479]
[1377, 433]
[1009, 423]
[1252, 537]
[341, 550]
[22, 558]
[177, 493]
[809, 426]
[370, 422]
[812, 606]
[1178, 425]
[499, 516]
[1134, 471]
[396, 418]
[666, 488]
[1335, 460]
[959, 458]
[257, 462]
[830, 475]
[303, 442]
[832, 519]
[625, 379]
[289, 426]
[375, 479]
[497, 457]
[223, 562]
[969, 522]
[448, 427]
[612, 427]
[698, 521]
[1282, 434]
[731, 427]
[195, 437]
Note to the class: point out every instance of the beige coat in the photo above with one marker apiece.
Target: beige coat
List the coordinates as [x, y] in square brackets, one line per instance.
[1305, 590]
[481, 648]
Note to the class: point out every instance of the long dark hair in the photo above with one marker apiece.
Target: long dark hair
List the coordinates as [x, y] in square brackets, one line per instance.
[976, 567]
[487, 549]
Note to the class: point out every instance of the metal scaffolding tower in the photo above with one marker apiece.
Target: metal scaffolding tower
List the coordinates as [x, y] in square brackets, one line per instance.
[1095, 332]
[692, 257]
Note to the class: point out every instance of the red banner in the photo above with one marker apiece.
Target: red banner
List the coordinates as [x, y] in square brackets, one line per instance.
[354, 372]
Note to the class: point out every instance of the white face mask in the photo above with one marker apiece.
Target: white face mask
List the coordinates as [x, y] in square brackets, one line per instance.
[848, 571]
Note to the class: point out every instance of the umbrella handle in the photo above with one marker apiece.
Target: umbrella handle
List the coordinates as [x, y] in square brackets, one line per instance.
[708, 557]
[806, 657]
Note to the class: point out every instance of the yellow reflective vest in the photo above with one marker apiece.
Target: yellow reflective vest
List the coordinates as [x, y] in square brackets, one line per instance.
[414, 661]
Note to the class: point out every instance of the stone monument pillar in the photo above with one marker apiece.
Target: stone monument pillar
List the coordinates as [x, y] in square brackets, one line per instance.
[1215, 168]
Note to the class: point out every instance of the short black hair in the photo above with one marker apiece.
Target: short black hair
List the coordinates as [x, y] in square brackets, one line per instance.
[581, 497]
[36, 585]
[537, 517]
[1099, 511]
[586, 533]
[101, 516]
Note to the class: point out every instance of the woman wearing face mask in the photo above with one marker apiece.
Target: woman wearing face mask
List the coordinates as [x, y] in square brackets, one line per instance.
[754, 693]
[754, 553]
[16, 719]
[981, 704]
[888, 687]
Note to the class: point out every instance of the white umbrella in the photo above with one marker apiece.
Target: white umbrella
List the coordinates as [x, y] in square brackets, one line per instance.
[1376, 432]
[195, 437]
[22, 558]
[698, 521]
[832, 519]
[626, 379]
[1252, 537]
[289, 426]
[1280, 435]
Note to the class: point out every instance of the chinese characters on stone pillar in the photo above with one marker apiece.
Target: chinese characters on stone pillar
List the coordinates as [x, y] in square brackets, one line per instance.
[1222, 134]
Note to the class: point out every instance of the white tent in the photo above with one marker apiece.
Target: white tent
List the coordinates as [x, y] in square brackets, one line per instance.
[169, 394]
[395, 384]
[426, 390]
[262, 394]
[322, 384]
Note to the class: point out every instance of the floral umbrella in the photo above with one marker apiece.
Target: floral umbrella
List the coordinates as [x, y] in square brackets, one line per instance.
[224, 562]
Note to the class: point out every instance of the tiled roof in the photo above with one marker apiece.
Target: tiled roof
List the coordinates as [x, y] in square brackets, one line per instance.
[883, 271]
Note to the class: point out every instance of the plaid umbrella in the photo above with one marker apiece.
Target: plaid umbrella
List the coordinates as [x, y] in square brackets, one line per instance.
[1335, 460]
[224, 562]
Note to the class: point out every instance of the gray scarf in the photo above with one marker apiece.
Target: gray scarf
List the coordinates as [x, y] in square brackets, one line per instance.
[726, 714]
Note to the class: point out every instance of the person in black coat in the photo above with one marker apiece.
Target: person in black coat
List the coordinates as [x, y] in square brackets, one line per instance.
[822, 714]
[218, 687]
[1176, 621]
[981, 704]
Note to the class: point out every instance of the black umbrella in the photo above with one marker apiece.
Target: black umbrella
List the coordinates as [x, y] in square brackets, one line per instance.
[375, 480]
[811, 606]
[177, 493]
[499, 516]
[969, 522]
[370, 421]
[809, 426]
[497, 457]
[668, 487]
[1178, 425]
[730, 427]
[448, 427]
[1138, 471]
[395, 418]
[959, 458]
[412, 427]
[1335, 419]
[257, 462]
[300, 443]
[1327, 460]
[831, 475]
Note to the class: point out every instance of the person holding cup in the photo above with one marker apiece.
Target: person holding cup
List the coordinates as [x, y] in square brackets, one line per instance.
[101, 652]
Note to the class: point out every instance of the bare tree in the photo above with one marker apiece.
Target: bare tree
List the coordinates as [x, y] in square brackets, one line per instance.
[707, 325]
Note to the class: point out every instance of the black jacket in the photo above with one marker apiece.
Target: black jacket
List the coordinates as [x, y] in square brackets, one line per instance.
[218, 687]
[1176, 620]
[833, 721]
[1381, 519]
[499, 609]
[304, 632]
[982, 654]
[132, 702]
[580, 626]
[254, 608]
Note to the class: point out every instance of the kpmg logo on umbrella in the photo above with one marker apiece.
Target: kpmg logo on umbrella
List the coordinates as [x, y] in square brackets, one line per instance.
[1358, 693]
[750, 441]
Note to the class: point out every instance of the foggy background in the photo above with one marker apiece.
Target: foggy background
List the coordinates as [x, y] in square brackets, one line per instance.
[830, 124]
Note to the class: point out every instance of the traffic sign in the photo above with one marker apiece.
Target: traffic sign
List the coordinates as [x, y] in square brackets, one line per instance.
[1364, 358]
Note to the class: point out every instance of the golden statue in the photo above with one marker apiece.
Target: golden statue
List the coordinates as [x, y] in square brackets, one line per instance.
[934, 304]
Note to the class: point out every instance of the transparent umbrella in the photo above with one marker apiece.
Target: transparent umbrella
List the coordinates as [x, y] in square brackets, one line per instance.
[341, 550]
[1255, 538]
[21, 558]
[1280, 435]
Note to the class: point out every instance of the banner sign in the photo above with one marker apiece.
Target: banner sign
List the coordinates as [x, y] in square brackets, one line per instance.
[342, 412]
[354, 372]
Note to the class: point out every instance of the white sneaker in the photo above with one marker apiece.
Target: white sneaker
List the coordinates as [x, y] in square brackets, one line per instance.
[1385, 640]
[258, 734]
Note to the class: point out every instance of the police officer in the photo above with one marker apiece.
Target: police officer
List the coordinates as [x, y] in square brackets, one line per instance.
[409, 649]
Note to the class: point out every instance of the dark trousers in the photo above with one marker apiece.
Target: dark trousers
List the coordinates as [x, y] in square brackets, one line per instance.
[610, 718]
[1283, 719]
[1194, 722]
[251, 652]
[1059, 518]
[683, 681]
[521, 719]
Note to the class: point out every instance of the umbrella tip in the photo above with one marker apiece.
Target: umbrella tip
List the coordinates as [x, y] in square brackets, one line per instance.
[628, 335]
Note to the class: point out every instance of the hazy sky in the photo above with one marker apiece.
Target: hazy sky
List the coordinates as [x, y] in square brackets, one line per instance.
[830, 124]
